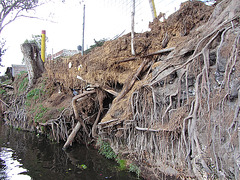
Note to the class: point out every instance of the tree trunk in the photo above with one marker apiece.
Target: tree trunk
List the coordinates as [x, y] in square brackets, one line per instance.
[33, 62]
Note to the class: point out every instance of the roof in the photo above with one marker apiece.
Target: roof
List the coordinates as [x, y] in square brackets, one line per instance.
[17, 68]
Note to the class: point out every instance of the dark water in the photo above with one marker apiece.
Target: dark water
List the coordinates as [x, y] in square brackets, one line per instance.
[25, 155]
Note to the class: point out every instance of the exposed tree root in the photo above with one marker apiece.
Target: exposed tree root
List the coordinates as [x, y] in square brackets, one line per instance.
[180, 115]
[60, 126]
[72, 136]
[134, 78]
[174, 113]
[4, 103]
[76, 111]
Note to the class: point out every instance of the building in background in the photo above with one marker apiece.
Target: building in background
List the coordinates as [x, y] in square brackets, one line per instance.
[62, 53]
[16, 69]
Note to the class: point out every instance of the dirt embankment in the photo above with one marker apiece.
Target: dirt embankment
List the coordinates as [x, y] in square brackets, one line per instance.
[103, 65]
[172, 108]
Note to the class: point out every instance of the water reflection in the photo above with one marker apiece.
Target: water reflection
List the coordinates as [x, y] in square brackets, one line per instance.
[10, 167]
[25, 155]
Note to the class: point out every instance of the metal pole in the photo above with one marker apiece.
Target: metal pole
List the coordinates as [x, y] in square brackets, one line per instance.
[83, 29]
[132, 32]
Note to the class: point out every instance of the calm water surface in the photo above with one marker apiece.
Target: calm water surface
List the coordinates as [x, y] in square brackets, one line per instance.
[25, 155]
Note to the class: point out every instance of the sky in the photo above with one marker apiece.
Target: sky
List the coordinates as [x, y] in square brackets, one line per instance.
[63, 23]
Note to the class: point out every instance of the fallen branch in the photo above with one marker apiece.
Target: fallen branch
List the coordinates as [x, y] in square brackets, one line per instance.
[72, 136]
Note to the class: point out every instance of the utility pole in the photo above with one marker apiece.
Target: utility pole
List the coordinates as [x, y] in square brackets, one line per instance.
[132, 32]
[153, 8]
[83, 29]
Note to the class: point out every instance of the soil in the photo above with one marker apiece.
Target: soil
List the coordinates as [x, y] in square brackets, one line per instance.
[173, 108]
[102, 66]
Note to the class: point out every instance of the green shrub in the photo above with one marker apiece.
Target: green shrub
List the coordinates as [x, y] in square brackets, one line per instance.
[3, 91]
[41, 112]
[34, 93]
[97, 44]
[43, 109]
[106, 150]
[18, 129]
[23, 72]
[38, 116]
[8, 81]
[122, 164]
[61, 109]
[27, 103]
[20, 75]
[23, 85]
[135, 169]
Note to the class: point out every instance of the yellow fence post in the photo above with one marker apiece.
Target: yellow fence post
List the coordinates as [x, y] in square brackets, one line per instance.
[43, 46]
[153, 8]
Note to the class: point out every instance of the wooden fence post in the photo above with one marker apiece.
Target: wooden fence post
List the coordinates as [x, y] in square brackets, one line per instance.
[132, 32]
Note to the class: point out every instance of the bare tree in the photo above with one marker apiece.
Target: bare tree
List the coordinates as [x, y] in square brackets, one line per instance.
[10, 10]
[2, 49]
